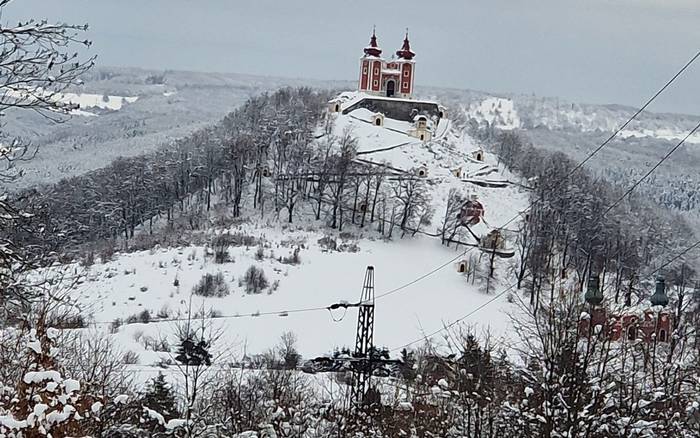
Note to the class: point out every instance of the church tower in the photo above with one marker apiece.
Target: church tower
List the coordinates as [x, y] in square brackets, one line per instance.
[406, 67]
[371, 67]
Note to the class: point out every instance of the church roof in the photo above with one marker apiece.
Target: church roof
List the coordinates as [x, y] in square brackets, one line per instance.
[373, 48]
[405, 52]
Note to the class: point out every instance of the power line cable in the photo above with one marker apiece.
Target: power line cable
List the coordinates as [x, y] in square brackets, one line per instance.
[656, 166]
[640, 110]
[618, 130]
[283, 312]
[457, 321]
[509, 288]
[676, 257]
[428, 274]
[395, 290]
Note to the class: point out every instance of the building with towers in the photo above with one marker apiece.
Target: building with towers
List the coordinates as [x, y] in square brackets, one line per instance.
[389, 78]
[385, 94]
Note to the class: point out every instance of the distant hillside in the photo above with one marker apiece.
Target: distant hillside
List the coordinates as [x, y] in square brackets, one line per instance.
[127, 112]
[145, 109]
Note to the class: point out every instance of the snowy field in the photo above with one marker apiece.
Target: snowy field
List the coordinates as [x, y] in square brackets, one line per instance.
[323, 278]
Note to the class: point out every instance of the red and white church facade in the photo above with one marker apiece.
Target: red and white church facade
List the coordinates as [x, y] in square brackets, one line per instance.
[389, 78]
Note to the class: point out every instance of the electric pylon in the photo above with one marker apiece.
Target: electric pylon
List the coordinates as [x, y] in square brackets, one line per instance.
[362, 367]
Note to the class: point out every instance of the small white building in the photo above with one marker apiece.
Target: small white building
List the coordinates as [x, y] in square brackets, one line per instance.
[335, 105]
[478, 154]
[422, 128]
[378, 119]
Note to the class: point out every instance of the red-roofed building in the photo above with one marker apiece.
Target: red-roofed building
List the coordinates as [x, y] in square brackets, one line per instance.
[390, 78]
[630, 326]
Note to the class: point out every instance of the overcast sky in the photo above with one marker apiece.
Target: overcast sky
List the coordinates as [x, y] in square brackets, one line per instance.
[598, 51]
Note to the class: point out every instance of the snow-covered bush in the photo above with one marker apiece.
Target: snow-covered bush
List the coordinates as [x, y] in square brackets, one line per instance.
[221, 245]
[255, 280]
[293, 259]
[221, 255]
[212, 285]
[44, 402]
[130, 358]
[260, 253]
[328, 243]
[143, 317]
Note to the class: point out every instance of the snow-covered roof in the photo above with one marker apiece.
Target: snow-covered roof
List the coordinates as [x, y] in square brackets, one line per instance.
[351, 97]
[369, 96]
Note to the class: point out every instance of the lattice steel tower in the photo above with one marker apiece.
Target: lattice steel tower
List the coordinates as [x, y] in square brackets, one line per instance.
[362, 366]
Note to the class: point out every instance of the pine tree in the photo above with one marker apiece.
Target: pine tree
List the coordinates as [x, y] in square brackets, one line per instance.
[195, 354]
[408, 362]
[159, 397]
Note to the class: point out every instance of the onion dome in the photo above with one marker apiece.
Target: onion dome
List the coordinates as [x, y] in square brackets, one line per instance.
[594, 296]
[660, 298]
[373, 49]
[405, 52]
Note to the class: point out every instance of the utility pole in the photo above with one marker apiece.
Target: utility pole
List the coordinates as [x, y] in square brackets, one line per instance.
[364, 361]
[362, 367]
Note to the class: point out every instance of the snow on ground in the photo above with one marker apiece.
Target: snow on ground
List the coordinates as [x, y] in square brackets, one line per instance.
[86, 100]
[320, 280]
[502, 113]
[663, 134]
[498, 112]
[371, 137]
[145, 280]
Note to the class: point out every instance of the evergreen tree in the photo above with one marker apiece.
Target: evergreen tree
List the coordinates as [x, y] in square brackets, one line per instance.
[159, 396]
[407, 368]
[193, 353]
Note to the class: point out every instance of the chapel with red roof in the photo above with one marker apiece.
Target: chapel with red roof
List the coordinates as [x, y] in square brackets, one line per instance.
[387, 77]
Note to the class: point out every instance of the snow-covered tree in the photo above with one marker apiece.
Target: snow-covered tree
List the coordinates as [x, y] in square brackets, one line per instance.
[38, 61]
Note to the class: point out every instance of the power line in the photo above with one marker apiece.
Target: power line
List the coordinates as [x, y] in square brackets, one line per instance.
[639, 111]
[395, 290]
[282, 312]
[509, 288]
[676, 257]
[458, 320]
[410, 283]
[618, 130]
[656, 166]
[679, 255]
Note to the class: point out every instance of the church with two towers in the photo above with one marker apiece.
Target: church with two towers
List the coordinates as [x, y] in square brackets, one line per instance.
[389, 78]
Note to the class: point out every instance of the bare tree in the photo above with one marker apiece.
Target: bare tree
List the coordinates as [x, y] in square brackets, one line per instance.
[38, 61]
[342, 164]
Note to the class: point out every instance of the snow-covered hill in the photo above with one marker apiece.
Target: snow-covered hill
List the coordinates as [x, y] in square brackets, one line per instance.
[496, 111]
[332, 267]
[127, 112]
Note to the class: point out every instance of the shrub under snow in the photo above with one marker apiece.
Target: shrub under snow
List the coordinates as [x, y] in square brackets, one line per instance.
[212, 285]
[255, 280]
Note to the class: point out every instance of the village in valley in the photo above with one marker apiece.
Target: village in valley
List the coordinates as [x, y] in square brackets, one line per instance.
[334, 259]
